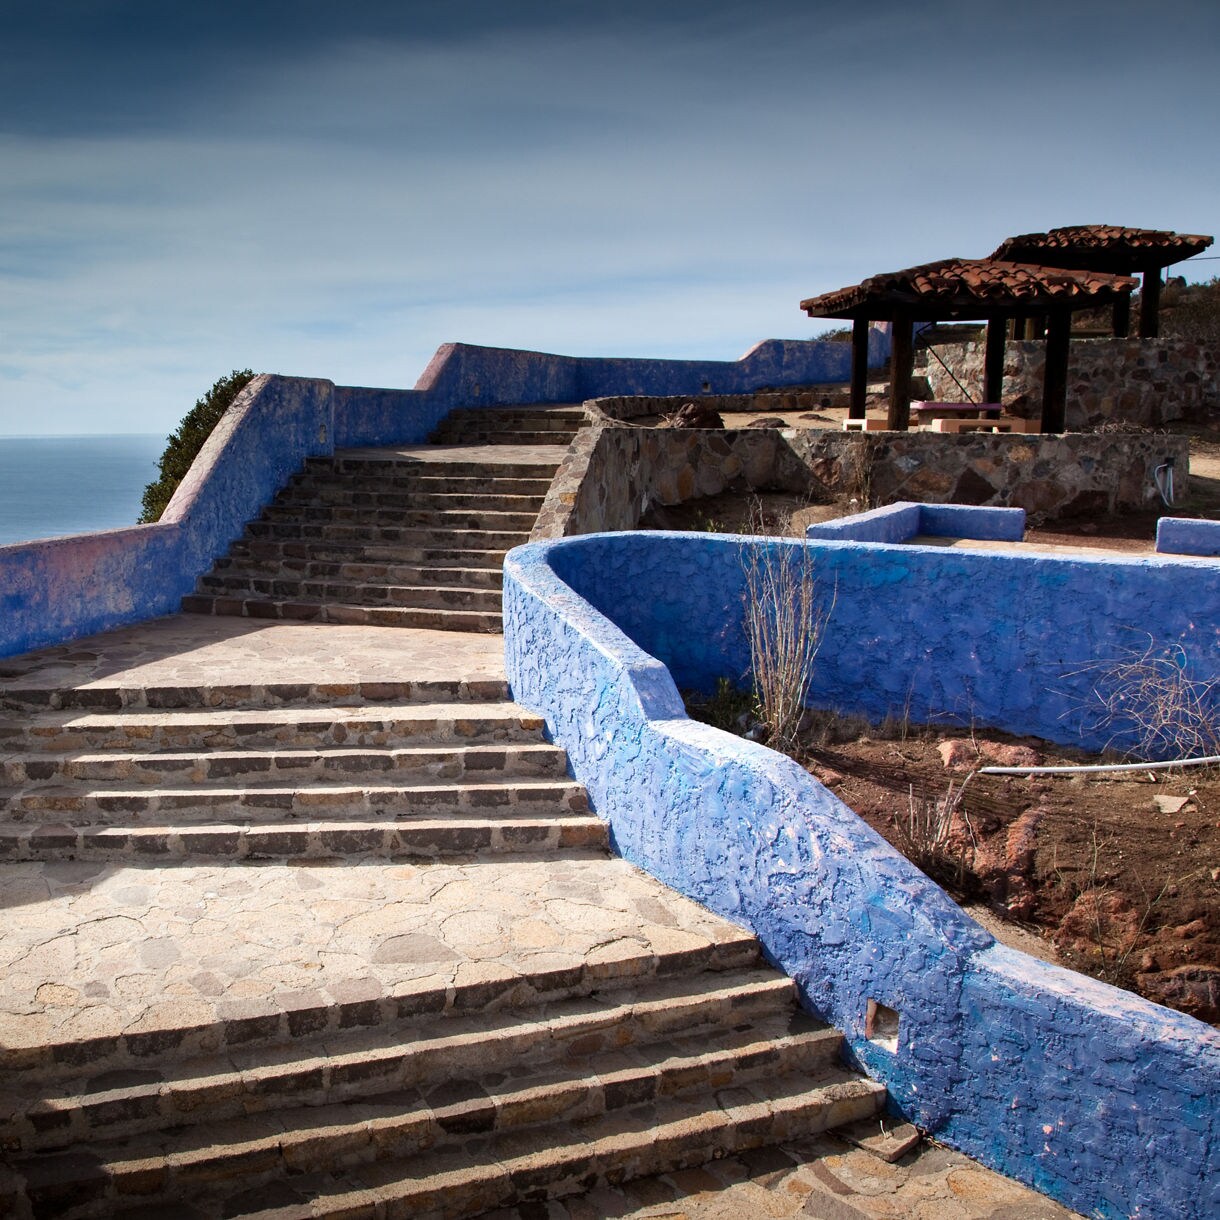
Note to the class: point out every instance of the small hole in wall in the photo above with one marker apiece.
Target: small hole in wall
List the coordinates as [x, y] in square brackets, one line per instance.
[707, 387]
[881, 1026]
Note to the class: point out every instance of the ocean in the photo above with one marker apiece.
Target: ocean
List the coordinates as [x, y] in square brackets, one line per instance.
[53, 485]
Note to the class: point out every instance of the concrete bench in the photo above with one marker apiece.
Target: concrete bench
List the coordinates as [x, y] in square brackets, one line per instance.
[955, 410]
[1012, 424]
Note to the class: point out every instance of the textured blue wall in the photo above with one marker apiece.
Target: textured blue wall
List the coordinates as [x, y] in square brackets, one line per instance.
[1005, 640]
[51, 591]
[906, 519]
[1184, 536]
[1097, 1097]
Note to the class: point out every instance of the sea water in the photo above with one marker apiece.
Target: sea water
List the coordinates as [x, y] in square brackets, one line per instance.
[53, 485]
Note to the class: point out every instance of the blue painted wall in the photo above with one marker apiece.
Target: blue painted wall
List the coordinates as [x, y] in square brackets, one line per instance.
[994, 639]
[1095, 1096]
[51, 591]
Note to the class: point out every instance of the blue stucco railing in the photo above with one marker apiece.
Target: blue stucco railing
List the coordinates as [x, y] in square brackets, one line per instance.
[1094, 1096]
[60, 589]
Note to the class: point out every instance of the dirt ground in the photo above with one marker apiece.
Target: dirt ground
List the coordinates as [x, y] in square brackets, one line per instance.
[1114, 875]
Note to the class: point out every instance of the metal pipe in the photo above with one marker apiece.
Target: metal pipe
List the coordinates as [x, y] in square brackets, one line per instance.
[1096, 767]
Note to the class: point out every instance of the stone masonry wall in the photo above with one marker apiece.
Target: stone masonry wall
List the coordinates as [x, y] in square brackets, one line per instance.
[1049, 476]
[612, 474]
[1141, 381]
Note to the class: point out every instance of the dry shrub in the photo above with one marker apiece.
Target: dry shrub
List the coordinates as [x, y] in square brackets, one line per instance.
[785, 618]
[937, 837]
[1147, 694]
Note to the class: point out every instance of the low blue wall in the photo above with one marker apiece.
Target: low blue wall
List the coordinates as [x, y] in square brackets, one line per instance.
[60, 589]
[1094, 1096]
[1011, 641]
[906, 519]
[1185, 536]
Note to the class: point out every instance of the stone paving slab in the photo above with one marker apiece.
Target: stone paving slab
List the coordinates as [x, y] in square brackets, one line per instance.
[814, 1179]
[93, 951]
[194, 649]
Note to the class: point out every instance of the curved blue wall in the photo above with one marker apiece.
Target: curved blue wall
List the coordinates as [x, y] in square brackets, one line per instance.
[1094, 1096]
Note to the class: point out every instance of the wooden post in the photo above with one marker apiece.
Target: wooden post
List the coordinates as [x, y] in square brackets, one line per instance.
[1122, 316]
[859, 368]
[1150, 304]
[993, 359]
[1055, 375]
[902, 359]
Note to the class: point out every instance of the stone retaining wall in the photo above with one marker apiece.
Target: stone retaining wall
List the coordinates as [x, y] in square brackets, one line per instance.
[1142, 381]
[1051, 476]
[612, 474]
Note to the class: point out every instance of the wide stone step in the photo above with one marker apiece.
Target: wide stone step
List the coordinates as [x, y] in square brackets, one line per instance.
[386, 471]
[693, 1028]
[421, 516]
[478, 692]
[363, 593]
[467, 1174]
[405, 999]
[485, 1105]
[278, 551]
[326, 612]
[436, 836]
[429, 492]
[490, 437]
[385, 535]
[258, 728]
[361, 573]
[436, 761]
[88, 804]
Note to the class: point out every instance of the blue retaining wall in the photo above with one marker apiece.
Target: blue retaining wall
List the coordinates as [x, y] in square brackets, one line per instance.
[907, 519]
[1094, 1096]
[60, 589]
[1184, 536]
[1011, 641]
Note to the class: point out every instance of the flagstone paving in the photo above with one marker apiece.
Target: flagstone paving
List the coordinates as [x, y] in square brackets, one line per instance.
[290, 999]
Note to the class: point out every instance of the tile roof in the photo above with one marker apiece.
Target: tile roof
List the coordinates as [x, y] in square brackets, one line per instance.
[1111, 244]
[956, 286]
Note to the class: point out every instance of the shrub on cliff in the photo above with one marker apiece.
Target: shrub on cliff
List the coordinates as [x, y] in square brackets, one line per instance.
[182, 446]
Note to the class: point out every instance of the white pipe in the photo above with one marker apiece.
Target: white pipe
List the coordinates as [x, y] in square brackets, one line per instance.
[1144, 766]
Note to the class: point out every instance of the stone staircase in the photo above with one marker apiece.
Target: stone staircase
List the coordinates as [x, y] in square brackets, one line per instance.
[335, 952]
[523, 425]
[382, 538]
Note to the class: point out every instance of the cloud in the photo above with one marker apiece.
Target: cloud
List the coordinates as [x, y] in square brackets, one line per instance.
[338, 195]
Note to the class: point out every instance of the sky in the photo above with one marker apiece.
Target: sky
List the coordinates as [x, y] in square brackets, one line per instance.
[334, 190]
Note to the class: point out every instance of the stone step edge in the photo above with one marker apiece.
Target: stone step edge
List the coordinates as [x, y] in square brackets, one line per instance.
[238, 582]
[262, 1025]
[54, 734]
[474, 691]
[474, 1174]
[688, 1035]
[422, 839]
[440, 749]
[493, 794]
[304, 609]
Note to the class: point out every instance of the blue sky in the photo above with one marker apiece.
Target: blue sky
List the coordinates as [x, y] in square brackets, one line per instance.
[334, 190]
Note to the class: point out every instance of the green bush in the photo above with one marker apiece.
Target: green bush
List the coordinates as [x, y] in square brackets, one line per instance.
[182, 447]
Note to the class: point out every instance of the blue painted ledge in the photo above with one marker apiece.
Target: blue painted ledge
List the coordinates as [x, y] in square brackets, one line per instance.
[1184, 536]
[60, 589]
[1090, 1094]
[907, 519]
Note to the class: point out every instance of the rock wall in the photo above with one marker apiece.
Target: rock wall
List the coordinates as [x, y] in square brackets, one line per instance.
[612, 474]
[1048, 476]
[1141, 381]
